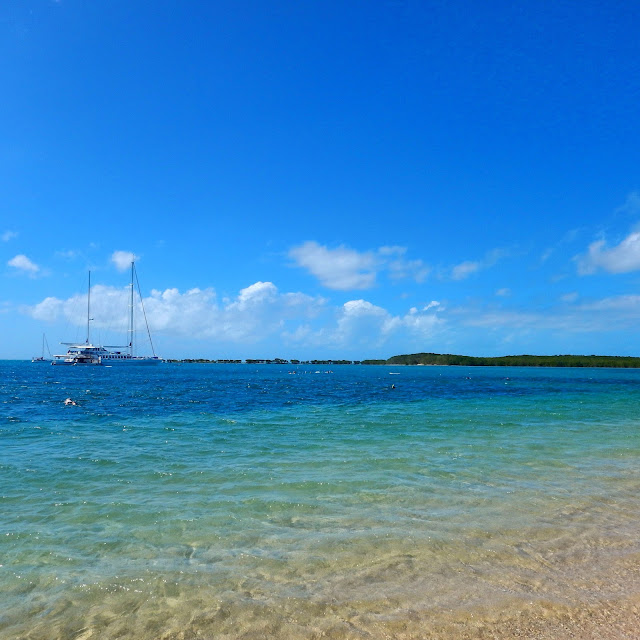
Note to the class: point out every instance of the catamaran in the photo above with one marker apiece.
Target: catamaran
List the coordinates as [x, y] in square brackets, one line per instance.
[90, 354]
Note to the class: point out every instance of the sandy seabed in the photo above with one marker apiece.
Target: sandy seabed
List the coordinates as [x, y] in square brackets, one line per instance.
[592, 593]
[604, 620]
[608, 621]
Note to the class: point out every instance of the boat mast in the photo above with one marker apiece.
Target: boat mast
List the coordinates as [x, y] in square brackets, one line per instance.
[88, 307]
[131, 313]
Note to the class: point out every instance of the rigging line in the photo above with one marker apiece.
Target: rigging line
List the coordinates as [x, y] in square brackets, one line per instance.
[88, 308]
[144, 313]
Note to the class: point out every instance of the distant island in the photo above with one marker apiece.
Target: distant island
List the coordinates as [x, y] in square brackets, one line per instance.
[623, 362]
[447, 359]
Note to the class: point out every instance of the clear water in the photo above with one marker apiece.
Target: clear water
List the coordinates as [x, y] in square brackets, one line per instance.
[239, 501]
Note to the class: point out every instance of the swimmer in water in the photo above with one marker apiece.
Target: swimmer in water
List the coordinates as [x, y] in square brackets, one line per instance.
[69, 401]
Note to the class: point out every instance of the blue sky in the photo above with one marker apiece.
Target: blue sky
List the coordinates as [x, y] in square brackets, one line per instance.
[322, 179]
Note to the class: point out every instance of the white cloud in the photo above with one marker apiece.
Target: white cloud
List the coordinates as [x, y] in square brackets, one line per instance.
[627, 303]
[505, 292]
[631, 205]
[468, 267]
[256, 294]
[49, 310]
[415, 269]
[108, 308]
[500, 319]
[22, 263]
[546, 254]
[464, 270]
[360, 325]
[623, 258]
[261, 314]
[340, 268]
[604, 315]
[123, 259]
[392, 251]
[569, 297]
[345, 269]
[8, 235]
[361, 319]
[67, 255]
[258, 311]
[362, 308]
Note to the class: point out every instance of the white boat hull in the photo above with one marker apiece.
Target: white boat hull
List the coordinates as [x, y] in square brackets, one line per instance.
[89, 363]
[125, 360]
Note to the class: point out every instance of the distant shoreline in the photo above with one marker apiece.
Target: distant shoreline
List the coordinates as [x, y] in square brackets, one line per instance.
[617, 362]
[437, 359]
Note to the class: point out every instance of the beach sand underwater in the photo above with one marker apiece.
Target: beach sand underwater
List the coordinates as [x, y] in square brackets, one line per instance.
[281, 501]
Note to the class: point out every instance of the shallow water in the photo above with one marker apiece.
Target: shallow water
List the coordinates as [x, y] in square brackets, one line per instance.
[239, 501]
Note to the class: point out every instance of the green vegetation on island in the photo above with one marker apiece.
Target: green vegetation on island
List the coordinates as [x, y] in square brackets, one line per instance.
[448, 359]
[516, 361]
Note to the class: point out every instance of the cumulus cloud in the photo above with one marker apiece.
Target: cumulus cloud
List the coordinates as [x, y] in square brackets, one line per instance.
[360, 324]
[260, 313]
[340, 268]
[622, 258]
[8, 235]
[256, 312]
[49, 310]
[359, 320]
[22, 263]
[346, 269]
[108, 305]
[123, 259]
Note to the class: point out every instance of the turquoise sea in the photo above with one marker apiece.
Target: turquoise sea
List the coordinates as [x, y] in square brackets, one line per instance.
[281, 501]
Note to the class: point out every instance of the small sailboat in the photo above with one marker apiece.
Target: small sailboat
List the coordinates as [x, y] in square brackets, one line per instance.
[89, 354]
[41, 358]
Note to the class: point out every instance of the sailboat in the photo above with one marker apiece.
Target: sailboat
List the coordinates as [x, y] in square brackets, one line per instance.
[80, 353]
[89, 354]
[41, 358]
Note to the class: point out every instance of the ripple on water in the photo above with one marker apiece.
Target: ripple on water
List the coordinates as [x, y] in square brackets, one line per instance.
[233, 502]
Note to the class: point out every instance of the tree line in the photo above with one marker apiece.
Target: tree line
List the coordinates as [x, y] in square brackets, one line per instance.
[621, 362]
[516, 361]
